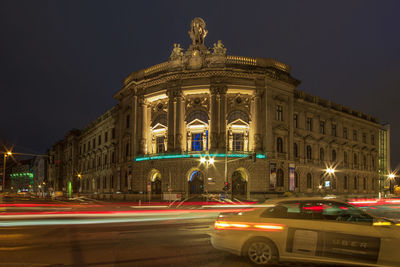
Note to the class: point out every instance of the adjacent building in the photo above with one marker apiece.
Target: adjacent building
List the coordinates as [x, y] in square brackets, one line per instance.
[205, 120]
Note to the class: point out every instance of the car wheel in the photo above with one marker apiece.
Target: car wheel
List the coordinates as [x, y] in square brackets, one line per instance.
[262, 252]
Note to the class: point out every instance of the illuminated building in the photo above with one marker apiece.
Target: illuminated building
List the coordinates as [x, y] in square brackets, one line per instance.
[205, 104]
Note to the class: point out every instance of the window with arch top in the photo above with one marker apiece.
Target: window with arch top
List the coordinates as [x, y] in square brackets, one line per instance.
[279, 145]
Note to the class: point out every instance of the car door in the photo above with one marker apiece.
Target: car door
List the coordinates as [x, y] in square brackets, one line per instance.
[350, 234]
[301, 237]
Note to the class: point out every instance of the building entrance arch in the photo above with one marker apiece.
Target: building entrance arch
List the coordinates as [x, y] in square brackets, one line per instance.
[239, 183]
[156, 182]
[196, 182]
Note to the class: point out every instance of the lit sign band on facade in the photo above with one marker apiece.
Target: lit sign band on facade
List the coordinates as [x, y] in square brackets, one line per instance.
[178, 156]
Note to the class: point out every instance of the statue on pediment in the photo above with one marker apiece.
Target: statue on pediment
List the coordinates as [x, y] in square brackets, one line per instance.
[219, 49]
[176, 52]
[198, 31]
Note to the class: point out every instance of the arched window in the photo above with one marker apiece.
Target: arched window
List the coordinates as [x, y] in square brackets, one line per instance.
[197, 130]
[355, 161]
[161, 119]
[365, 183]
[279, 177]
[309, 152]
[279, 145]
[309, 180]
[238, 114]
[296, 180]
[321, 154]
[295, 150]
[198, 114]
[345, 182]
[345, 157]
[355, 183]
[333, 155]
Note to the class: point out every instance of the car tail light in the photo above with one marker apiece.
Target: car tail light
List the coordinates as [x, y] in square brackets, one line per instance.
[225, 225]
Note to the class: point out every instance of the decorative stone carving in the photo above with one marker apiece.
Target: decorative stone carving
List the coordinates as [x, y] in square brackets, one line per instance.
[219, 49]
[219, 89]
[239, 102]
[176, 52]
[198, 102]
[197, 31]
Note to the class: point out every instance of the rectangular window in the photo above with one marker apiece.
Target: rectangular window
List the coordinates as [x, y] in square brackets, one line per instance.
[354, 135]
[238, 142]
[127, 121]
[372, 139]
[88, 145]
[105, 137]
[112, 182]
[94, 143]
[104, 182]
[113, 133]
[99, 140]
[279, 113]
[345, 183]
[160, 144]
[333, 129]
[322, 127]
[197, 141]
[113, 157]
[309, 124]
[345, 132]
[84, 148]
[364, 138]
[295, 121]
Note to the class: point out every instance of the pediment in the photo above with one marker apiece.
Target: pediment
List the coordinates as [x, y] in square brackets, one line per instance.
[297, 135]
[159, 126]
[281, 127]
[197, 122]
[239, 122]
[310, 137]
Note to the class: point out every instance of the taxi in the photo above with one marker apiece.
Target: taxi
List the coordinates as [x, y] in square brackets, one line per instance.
[314, 230]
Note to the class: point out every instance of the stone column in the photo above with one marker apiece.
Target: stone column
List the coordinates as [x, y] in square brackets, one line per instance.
[214, 119]
[291, 128]
[134, 124]
[222, 116]
[257, 121]
[143, 140]
[171, 120]
[179, 140]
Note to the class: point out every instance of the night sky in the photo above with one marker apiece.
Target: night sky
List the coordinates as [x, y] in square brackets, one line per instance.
[62, 61]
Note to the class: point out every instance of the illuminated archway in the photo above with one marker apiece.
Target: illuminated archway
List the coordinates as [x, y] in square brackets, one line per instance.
[239, 183]
[156, 182]
[196, 182]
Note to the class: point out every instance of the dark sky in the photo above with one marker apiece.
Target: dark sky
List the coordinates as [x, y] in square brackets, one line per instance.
[62, 61]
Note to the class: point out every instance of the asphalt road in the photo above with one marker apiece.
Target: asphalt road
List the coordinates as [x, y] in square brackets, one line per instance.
[166, 243]
[183, 243]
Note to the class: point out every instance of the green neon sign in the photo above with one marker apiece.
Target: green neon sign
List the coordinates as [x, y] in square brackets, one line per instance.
[180, 156]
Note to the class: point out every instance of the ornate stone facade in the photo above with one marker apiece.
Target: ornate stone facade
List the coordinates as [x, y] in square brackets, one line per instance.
[264, 135]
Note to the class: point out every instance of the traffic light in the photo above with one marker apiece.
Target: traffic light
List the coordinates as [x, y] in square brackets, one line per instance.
[227, 186]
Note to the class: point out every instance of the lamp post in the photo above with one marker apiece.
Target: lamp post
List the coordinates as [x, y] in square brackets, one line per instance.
[6, 154]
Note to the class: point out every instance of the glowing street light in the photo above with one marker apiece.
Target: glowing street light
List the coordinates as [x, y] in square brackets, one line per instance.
[330, 171]
[208, 161]
[391, 176]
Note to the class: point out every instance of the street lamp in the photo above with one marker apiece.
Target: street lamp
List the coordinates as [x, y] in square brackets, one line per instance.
[6, 154]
